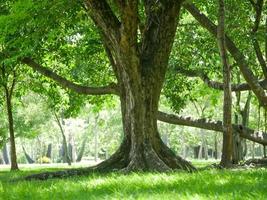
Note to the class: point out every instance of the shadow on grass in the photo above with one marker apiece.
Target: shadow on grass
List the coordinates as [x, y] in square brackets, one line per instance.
[215, 184]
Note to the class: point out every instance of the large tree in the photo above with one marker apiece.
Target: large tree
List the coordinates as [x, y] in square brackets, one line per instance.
[137, 37]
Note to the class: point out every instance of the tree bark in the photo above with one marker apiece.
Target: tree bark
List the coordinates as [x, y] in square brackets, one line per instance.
[140, 63]
[49, 151]
[64, 141]
[6, 155]
[227, 152]
[212, 125]
[13, 154]
[140, 70]
[96, 138]
[28, 158]
[233, 50]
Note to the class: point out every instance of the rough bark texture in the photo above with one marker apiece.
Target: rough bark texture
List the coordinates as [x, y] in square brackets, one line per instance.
[227, 151]
[139, 59]
[140, 69]
[110, 89]
[212, 125]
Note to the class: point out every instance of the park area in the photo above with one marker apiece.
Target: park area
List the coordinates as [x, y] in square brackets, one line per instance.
[133, 99]
[238, 184]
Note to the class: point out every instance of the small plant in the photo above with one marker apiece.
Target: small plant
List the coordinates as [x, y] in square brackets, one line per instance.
[44, 160]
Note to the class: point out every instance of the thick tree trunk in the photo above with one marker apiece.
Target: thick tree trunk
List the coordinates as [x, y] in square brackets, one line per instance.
[139, 59]
[140, 70]
[13, 154]
[144, 150]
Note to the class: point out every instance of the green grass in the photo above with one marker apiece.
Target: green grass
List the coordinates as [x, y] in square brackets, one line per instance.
[209, 184]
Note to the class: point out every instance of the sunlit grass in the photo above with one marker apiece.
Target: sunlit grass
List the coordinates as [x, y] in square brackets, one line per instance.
[209, 184]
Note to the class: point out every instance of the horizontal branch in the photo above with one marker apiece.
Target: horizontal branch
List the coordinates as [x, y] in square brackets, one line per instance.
[212, 125]
[215, 84]
[63, 82]
[233, 49]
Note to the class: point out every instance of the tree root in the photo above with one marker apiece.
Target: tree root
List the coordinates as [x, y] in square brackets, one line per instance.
[145, 158]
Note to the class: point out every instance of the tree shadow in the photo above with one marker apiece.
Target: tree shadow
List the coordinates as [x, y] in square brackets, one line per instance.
[210, 184]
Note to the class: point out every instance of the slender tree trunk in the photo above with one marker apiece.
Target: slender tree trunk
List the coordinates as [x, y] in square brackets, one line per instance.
[49, 151]
[6, 155]
[28, 158]
[253, 150]
[96, 138]
[200, 150]
[13, 154]
[215, 147]
[1, 160]
[81, 151]
[227, 152]
[65, 146]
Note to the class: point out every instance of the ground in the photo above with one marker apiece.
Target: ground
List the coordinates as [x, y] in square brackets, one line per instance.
[207, 184]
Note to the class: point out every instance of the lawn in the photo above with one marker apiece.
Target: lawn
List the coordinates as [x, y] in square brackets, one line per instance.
[208, 184]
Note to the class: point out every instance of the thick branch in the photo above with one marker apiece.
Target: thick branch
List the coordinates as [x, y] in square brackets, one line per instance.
[110, 89]
[159, 32]
[215, 84]
[212, 125]
[232, 48]
[258, 9]
[104, 19]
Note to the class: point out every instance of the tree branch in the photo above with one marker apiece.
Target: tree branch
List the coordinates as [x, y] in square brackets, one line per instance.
[105, 19]
[211, 125]
[258, 6]
[215, 84]
[159, 31]
[234, 51]
[110, 89]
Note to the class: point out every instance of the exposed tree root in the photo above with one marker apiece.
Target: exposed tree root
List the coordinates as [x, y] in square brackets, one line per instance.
[257, 162]
[145, 158]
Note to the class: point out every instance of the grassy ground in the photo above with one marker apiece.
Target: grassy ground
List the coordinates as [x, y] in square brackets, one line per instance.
[209, 184]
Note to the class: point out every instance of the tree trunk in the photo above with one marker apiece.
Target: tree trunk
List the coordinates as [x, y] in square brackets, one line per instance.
[96, 139]
[143, 148]
[64, 142]
[13, 155]
[140, 60]
[49, 151]
[28, 158]
[1, 160]
[81, 151]
[200, 152]
[6, 155]
[215, 147]
[227, 151]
